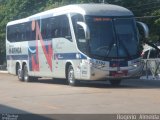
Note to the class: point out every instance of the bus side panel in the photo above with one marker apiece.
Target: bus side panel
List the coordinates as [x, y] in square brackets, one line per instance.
[63, 51]
[16, 53]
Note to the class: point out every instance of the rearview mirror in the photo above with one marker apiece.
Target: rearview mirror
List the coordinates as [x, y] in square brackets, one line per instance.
[143, 30]
[86, 30]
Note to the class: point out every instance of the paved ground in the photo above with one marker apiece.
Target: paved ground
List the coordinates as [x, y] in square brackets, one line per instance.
[48, 96]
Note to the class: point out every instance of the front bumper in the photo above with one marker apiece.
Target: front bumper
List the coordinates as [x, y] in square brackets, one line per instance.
[99, 74]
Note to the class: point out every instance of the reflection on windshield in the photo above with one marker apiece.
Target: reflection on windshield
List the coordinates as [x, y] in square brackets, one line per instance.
[102, 36]
[126, 37]
[112, 38]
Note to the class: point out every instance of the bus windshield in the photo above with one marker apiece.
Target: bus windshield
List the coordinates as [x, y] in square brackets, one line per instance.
[112, 38]
[127, 39]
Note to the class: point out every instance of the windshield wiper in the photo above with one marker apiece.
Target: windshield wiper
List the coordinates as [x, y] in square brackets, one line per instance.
[125, 49]
[110, 48]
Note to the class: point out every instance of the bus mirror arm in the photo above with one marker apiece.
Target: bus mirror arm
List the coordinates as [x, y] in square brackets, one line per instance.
[142, 26]
[86, 30]
[143, 30]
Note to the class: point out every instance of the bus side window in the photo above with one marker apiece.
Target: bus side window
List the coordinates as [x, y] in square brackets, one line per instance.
[77, 28]
[12, 36]
[33, 32]
[66, 33]
[22, 32]
[13, 33]
[17, 34]
[79, 32]
[54, 27]
[9, 33]
[28, 31]
[45, 28]
[61, 27]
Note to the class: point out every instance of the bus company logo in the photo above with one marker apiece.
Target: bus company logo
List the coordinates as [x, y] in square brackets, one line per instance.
[33, 49]
[98, 64]
[15, 50]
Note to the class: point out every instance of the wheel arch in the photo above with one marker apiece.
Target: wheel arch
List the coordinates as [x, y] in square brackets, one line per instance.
[68, 63]
[23, 64]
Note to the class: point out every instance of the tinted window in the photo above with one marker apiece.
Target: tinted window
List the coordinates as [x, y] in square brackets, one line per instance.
[55, 27]
[20, 32]
[77, 29]
[79, 32]
[62, 28]
[46, 28]
[29, 31]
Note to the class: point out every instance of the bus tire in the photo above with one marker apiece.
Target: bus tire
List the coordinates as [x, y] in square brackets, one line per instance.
[20, 74]
[17, 68]
[115, 82]
[26, 77]
[70, 76]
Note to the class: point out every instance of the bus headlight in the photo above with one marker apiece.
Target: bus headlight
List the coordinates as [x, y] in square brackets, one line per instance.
[135, 65]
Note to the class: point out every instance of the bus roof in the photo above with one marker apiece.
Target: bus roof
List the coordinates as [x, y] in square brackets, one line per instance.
[105, 10]
[85, 9]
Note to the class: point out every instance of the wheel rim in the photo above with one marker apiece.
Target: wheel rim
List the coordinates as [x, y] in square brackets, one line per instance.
[25, 73]
[19, 74]
[71, 76]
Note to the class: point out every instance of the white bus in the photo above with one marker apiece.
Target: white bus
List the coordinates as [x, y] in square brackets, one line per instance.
[76, 42]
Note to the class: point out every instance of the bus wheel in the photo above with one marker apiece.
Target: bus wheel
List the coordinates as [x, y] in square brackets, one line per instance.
[20, 74]
[26, 77]
[115, 82]
[17, 68]
[70, 76]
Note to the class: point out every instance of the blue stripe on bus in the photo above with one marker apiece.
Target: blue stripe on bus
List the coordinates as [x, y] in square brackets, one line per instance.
[71, 56]
[17, 57]
[59, 56]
